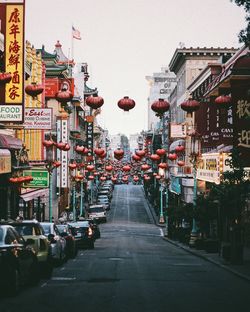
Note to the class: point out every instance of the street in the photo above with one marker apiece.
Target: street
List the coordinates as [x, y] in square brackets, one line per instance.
[132, 268]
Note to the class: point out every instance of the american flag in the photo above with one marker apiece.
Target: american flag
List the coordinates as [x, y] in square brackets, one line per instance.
[76, 33]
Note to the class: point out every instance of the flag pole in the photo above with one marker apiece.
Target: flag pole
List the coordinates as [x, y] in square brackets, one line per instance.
[72, 44]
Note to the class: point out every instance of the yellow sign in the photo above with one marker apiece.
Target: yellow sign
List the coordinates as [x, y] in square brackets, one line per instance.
[14, 53]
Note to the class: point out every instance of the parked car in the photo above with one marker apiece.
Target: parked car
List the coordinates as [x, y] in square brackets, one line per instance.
[33, 233]
[97, 212]
[103, 200]
[65, 232]
[18, 262]
[94, 225]
[56, 241]
[106, 193]
[83, 233]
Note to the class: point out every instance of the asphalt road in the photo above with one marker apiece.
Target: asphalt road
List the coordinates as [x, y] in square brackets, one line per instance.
[132, 269]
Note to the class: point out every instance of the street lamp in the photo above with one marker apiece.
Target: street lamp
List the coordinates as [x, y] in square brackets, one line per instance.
[194, 159]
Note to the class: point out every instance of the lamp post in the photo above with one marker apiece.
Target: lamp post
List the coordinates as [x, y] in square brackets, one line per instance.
[194, 159]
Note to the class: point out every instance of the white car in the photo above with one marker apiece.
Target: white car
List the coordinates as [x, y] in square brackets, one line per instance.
[57, 242]
[97, 212]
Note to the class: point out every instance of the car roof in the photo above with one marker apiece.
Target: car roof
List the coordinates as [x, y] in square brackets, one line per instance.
[94, 206]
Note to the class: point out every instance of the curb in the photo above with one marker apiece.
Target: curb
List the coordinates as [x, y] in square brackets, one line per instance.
[193, 252]
[245, 277]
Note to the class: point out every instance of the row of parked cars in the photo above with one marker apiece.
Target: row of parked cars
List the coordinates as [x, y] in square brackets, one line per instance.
[102, 205]
[29, 249]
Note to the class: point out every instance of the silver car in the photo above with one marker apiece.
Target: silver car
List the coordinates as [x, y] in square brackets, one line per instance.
[57, 242]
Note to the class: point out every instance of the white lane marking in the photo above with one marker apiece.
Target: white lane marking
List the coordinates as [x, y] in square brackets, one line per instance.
[63, 278]
[43, 285]
[63, 268]
[161, 232]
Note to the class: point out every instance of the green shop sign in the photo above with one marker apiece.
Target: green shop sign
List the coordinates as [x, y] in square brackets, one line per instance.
[40, 178]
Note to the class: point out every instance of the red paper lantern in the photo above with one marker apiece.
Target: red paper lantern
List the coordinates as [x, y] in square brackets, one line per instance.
[146, 177]
[223, 100]
[57, 164]
[60, 145]
[5, 78]
[190, 106]
[72, 166]
[140, 153]
[118, 153]
[155, 157]
[48, 143]
[126, 103]
[102, 155]
[66, 147]
[160, 107]
[179, 148]
[94, 101]
[161, 152]
[136, 178]
[91, 178]
[163, 165]
[158, 177]
[136, 157]
[113, 179]
[172, 156]
[180, 163]
[126, 168]
[145, 167]
[90, 167]
[99, 151]
[103, 178]
[64, 96]
[34, 89]
[80, 149]
[109, 168]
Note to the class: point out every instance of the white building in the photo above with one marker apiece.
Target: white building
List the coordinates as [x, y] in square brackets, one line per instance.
[161, 85]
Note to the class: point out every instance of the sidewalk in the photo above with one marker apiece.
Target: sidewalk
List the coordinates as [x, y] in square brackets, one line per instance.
[242, 270]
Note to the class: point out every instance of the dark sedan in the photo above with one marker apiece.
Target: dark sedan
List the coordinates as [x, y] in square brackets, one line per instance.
[83, 234]
[18, 262]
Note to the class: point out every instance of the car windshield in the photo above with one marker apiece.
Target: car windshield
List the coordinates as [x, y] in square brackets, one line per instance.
[62, 228]
[47, 228]
[24, 229]
[95, 209]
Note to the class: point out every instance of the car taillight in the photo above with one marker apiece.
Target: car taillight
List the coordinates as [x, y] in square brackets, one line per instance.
[90, 232]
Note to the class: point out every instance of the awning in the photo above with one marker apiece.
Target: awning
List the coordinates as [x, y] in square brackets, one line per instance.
[236, 67]
[10, 142]
[34, 194]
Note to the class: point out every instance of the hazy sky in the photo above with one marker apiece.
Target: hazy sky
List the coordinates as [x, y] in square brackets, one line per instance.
[125, 40]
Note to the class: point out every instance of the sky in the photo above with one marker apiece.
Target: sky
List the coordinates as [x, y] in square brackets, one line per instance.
[123, 41]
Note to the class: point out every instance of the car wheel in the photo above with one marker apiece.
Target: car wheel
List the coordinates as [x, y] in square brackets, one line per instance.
[34, 274]
[48, 268]
[14, 283]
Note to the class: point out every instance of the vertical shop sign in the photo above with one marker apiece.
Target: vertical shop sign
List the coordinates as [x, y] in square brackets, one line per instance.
[11, 109]
[62, 156]
[90, 132]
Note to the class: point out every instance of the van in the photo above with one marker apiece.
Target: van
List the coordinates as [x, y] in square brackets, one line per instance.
[98, 212]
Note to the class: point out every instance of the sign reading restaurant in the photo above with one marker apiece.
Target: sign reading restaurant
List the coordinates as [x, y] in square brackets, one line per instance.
[38, 118]
[12, 28]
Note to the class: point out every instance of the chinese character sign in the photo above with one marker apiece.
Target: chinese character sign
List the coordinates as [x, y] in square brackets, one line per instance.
[12, 20]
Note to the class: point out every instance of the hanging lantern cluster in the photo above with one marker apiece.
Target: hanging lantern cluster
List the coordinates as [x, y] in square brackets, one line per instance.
[155, 157]
[126, 103]
[160, 107]
[140, 153]
[80, 149]
[21, 179]
[99, 151]
[161, 152]
[94, 101]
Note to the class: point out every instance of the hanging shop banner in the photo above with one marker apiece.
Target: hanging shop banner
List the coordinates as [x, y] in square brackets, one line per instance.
[90, 134]
[53, 85]
[175, 186]
[62, 156]
[12, 28]
[178, 130]
[212, 166]
[240, 97]
[38, 118]
[40, 178]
